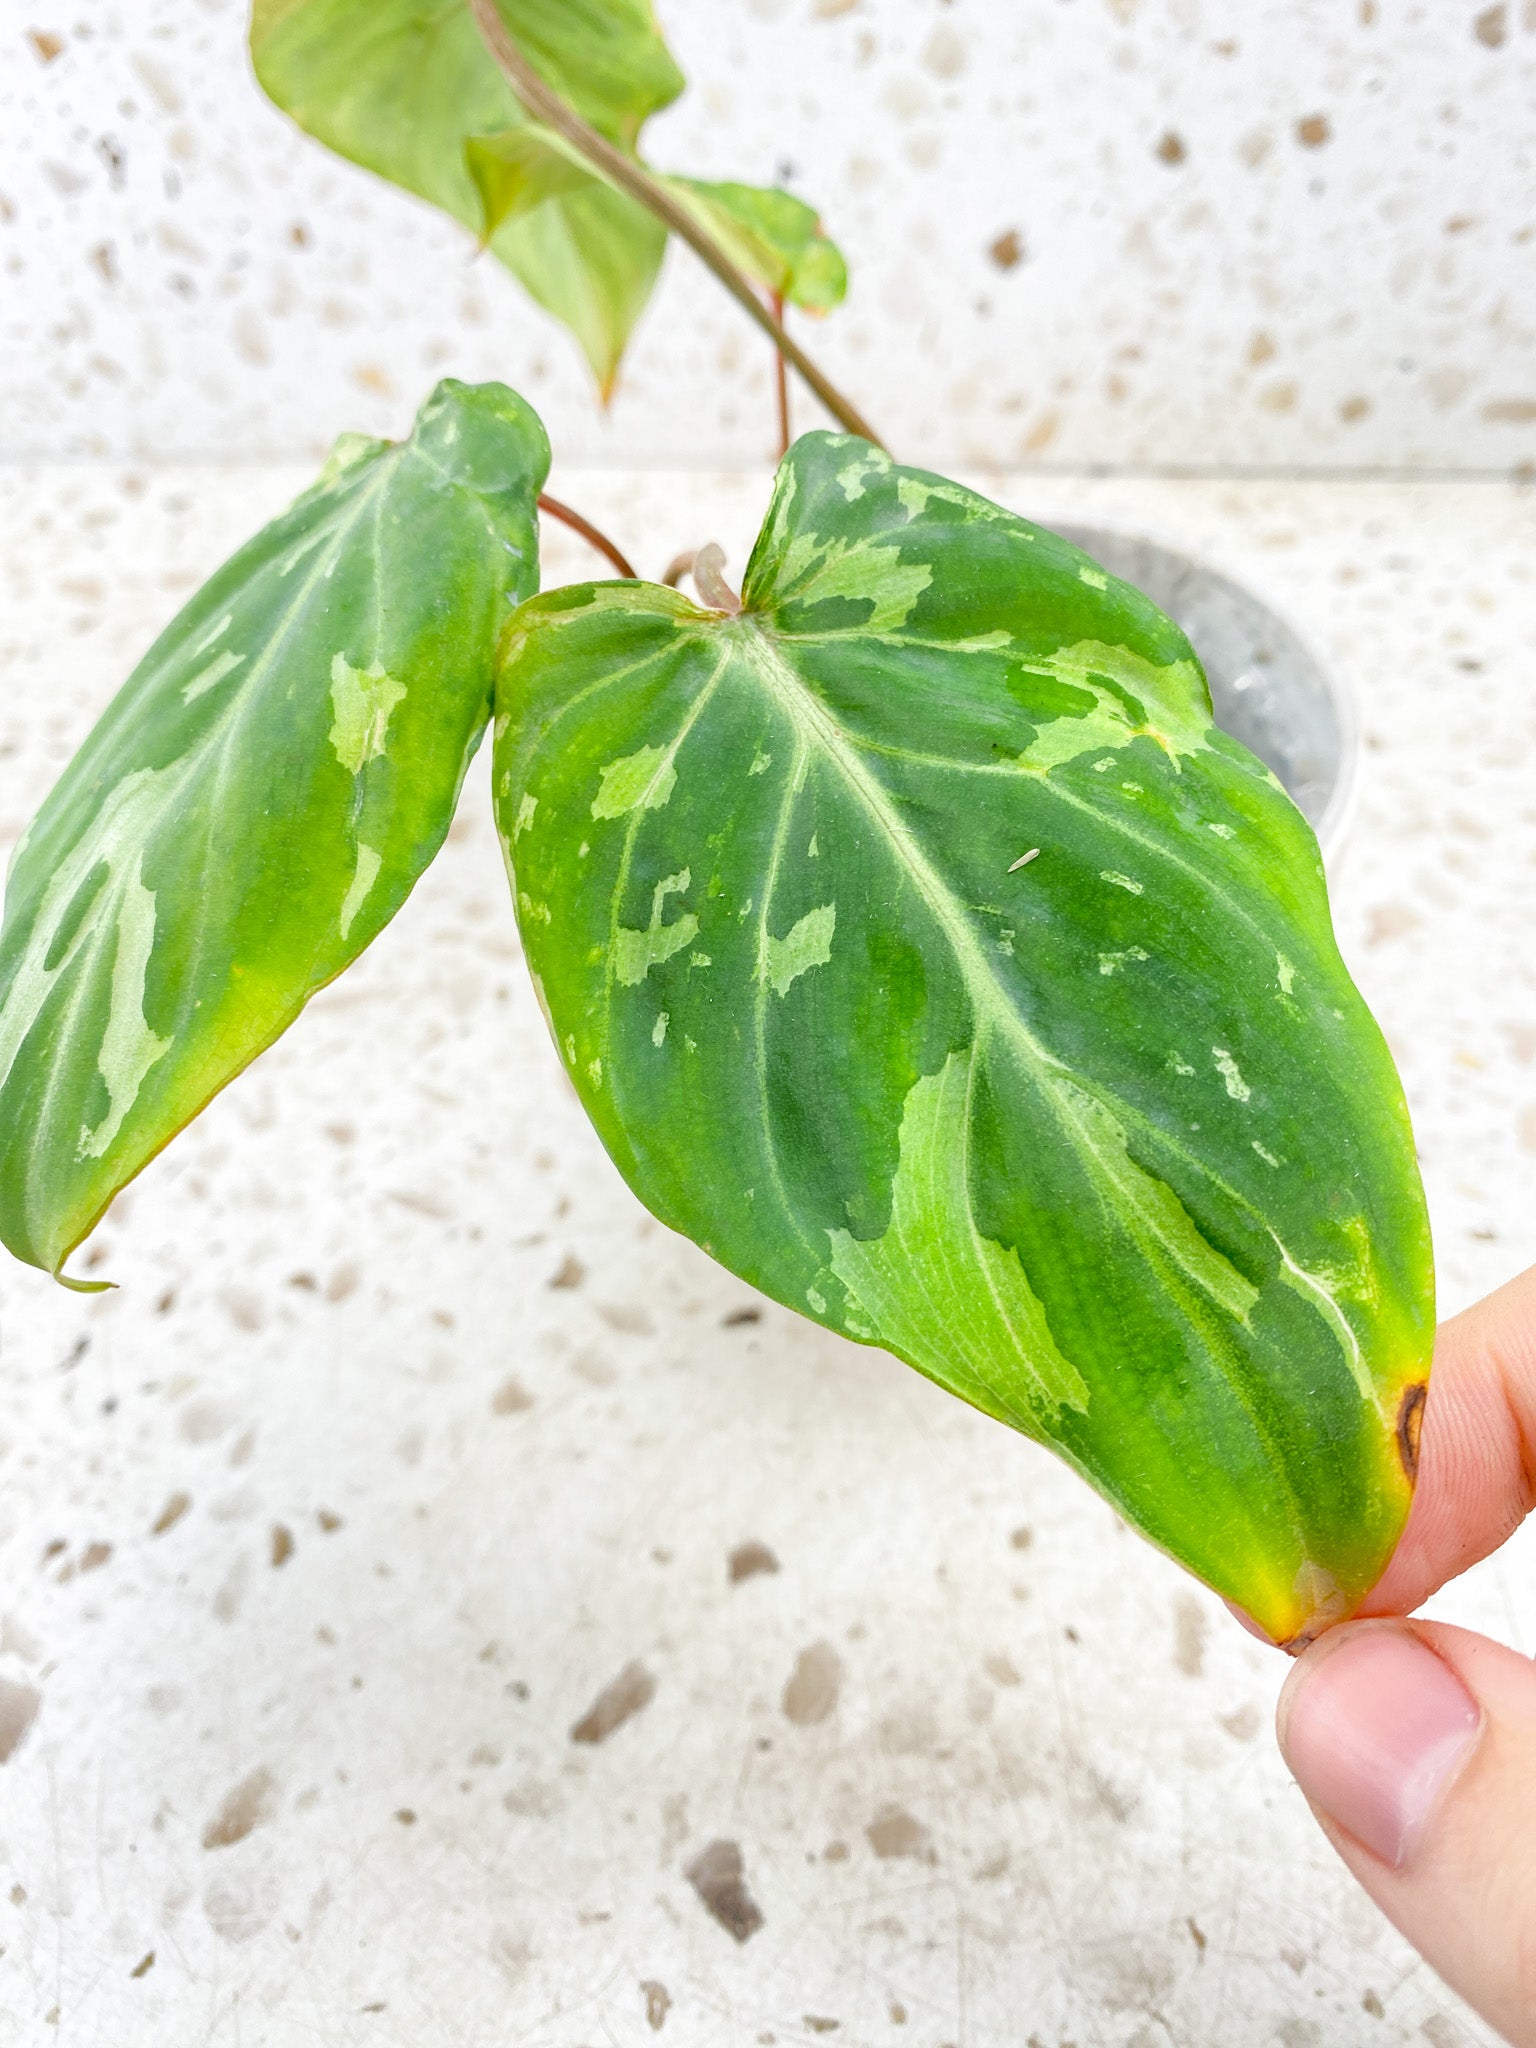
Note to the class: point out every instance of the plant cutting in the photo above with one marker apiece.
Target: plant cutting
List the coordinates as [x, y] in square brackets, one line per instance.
[914, 939]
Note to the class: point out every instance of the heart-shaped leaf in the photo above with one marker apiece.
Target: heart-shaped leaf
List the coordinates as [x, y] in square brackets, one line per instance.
[919, 946]
[256, 803]
[407, 88]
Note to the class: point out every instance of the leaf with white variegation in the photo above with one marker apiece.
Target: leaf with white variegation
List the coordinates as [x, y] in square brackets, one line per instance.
[256, 803]
[919, 946]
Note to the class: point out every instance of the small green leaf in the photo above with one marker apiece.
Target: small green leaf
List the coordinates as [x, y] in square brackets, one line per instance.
[523, 168]
[586, 252]
[403, 86]
[256, 803]
[406, 88]
[919, 946]
[773, 236]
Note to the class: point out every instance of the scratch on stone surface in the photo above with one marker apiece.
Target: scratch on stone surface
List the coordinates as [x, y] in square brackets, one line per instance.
[618, 1702]
[718, 1875]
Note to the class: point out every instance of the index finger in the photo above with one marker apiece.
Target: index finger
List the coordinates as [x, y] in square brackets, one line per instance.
[1477, 1452]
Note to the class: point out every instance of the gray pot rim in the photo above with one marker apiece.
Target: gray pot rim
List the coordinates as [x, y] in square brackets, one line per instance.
[1338, 812]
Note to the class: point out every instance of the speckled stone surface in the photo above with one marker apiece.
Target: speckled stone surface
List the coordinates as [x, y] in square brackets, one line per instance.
[424, 1562]
[1154, 233]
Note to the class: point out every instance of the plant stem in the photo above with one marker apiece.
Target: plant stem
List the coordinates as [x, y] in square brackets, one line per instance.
[589, 533]
[781, 382]
[546, 105]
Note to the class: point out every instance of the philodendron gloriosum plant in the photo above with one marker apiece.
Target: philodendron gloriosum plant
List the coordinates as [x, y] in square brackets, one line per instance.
[914, 939]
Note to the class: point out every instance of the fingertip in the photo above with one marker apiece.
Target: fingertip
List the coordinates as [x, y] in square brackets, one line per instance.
[1374, 1726]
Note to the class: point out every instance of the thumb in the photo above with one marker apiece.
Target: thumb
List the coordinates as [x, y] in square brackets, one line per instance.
[1415, 1745]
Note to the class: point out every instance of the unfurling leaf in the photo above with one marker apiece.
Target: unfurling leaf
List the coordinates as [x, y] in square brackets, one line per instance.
[407, 88]
[256, 803]
[919, 946]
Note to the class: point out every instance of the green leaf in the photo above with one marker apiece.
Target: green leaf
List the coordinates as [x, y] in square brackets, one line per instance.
[406, 88]
[586, 252]
[919, 946]
[773, 236]
[401, 86]
[256, 803]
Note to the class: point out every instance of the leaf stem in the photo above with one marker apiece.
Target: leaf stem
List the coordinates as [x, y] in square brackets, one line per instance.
[781, 381]
[709, 579]
[593, 535]
[542, 101]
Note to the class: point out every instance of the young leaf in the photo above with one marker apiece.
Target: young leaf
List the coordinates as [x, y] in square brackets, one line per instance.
[406, 88]
[919, 946]
[256, 803]
[401, 86]
[774, 237]
[586, 252]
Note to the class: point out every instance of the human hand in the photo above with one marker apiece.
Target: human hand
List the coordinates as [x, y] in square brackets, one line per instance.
[1415, 1743]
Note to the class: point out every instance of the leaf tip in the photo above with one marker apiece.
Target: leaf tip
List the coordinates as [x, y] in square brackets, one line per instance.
[82, 1286]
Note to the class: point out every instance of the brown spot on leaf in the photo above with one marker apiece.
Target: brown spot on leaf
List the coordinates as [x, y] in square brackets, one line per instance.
[252, 1802]
[571, 1273]
[1022, 1538]
[1196, 1933]
[894, 1832]
[818, 2025]
[45, 44]
[1170, 148]
[511, 1398]
[812, 1688]
[1007, 249]
[718, 1875]
[658, 2003]
[1372, 2004]
[747, 1560]
[1491, 26]
[617, 1703]
[1313, 130]
[18, 1710]
[143, 1967]
[282, 1545]
[1410, 1426]
[328, 1521]
[738, 1316]
[1511, 412]
[94, 1556]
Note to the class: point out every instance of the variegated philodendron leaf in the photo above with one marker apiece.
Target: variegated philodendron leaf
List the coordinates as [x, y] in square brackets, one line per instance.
[407, 88]
[256, 803]
[919, 946]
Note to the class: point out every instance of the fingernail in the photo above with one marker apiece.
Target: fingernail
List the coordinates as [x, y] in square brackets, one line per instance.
[1373, 1728]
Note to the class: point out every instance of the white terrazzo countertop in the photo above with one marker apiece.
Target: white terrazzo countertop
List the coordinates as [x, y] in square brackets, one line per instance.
[410, 1452]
